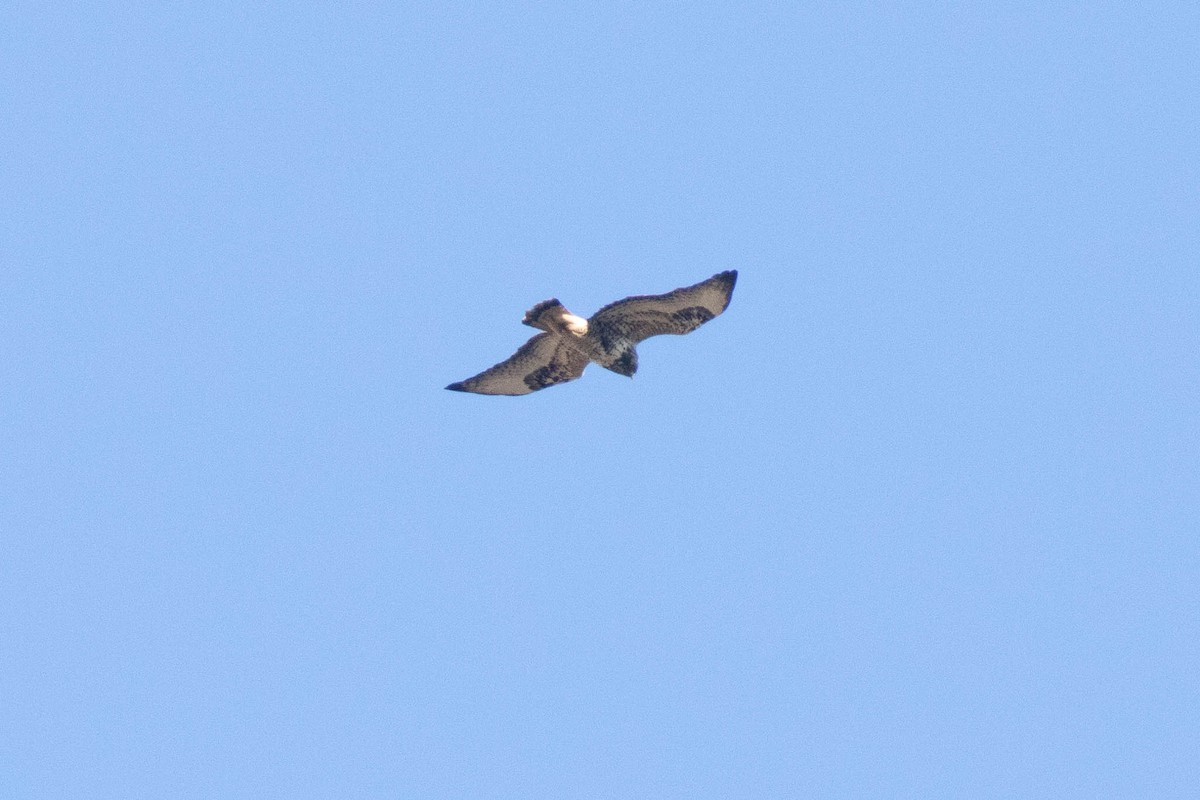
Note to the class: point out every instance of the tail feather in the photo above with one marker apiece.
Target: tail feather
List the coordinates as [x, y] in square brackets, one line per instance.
[535, 317]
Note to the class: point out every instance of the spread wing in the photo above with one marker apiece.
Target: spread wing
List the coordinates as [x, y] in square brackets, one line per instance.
[633, 319]
[542, 361]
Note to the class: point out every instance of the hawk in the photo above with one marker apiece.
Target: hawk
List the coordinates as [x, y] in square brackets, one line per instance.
[608, 337]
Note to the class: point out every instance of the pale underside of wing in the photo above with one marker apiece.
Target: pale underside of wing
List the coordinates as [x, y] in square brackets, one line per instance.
[542, 361]
[629, 321]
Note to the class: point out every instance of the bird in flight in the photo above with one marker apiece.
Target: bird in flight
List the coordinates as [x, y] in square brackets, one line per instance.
[608, 337]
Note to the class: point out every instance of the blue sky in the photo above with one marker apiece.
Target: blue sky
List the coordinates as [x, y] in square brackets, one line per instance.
[917, 517]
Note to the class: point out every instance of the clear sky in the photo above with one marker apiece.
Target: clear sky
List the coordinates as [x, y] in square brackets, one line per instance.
[917, 517]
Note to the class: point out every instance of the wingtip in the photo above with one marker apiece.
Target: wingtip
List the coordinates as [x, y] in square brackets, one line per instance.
[729, 279]
[457, 387]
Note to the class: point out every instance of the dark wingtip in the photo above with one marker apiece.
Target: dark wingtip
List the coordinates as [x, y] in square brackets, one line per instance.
[729, 278]
[457, 387]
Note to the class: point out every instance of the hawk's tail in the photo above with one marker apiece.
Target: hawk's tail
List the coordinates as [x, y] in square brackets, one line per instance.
[537, 317]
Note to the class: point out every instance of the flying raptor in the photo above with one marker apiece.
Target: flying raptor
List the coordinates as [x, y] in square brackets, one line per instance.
[608, 337]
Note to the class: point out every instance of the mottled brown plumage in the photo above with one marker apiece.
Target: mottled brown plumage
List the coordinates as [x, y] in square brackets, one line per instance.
[609, 337]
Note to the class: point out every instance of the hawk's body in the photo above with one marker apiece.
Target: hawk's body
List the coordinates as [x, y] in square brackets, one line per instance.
[608, 337]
